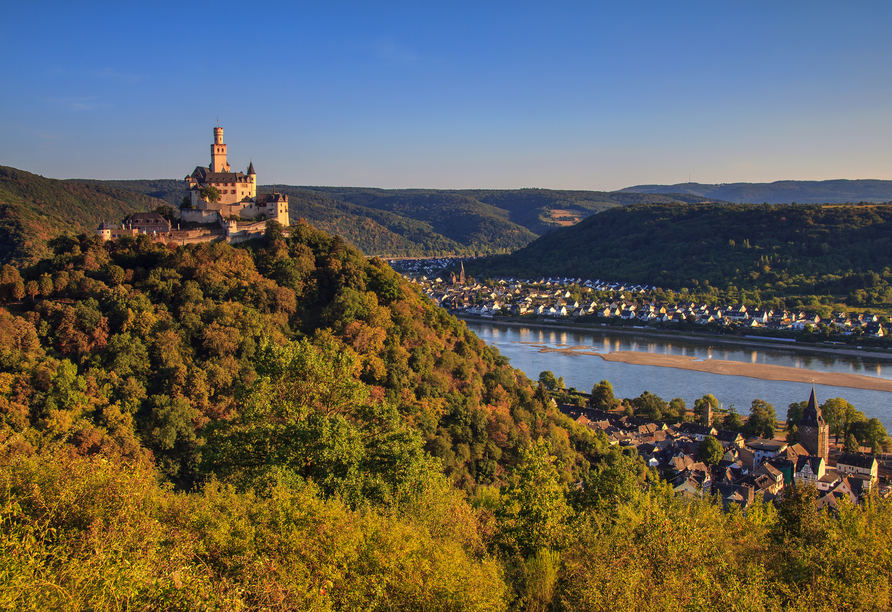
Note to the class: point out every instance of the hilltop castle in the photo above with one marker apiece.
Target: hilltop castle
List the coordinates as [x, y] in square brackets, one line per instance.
[219, 205]
[237, 192]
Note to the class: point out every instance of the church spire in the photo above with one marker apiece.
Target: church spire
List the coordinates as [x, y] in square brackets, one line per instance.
[812, 401]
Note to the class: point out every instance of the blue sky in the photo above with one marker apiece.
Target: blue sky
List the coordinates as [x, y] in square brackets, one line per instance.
[572, 95]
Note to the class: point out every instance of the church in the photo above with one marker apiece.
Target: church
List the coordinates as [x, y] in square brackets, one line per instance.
[814, 434]
[237, 192]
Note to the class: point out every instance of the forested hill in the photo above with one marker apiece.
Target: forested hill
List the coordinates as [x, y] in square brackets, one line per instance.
[781, 192]
[287, 425]
[779, 248]
[34, 209]
[426, 222]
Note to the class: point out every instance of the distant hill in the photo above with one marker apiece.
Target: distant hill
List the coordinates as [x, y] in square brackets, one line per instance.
[781, 192]
[420, 222]
[169, 190]
[34, 209]
[779, 248]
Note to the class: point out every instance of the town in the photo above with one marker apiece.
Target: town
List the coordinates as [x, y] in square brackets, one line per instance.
[698, 459]
[617, 303]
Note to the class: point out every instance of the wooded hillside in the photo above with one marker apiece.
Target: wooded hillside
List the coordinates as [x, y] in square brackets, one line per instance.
[772, 249]
[34, 209]
[430, 222]
[290, 426]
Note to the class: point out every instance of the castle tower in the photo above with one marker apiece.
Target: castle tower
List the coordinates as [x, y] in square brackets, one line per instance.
[218, 152]
[814, 434]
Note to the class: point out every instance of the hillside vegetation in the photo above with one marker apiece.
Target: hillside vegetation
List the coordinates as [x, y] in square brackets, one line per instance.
[782, 192]
[430, 222]
[34, 209]
[765, 250]
[288, 425]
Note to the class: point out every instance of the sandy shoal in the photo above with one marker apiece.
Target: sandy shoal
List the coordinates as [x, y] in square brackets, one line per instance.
[751, 370]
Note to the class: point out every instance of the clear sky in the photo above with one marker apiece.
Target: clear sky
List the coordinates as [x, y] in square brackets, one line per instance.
[573, 95]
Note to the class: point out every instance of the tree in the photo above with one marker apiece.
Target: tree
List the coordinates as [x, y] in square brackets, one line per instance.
[852, 445]
[732, 420]
[677, 408]
[650, 406]
[875, 436]
[794, 414]
[547, 379]
[210, 193]
[710, 451]
[701, 404]
[533, 509]
[168, 212]
[602, 396]
[834, 412]
[798, 520]
[763, 419]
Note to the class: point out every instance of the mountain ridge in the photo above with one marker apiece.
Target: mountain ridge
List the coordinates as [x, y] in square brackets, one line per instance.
[832, 191]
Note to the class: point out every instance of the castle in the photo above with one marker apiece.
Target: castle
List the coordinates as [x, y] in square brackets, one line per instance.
[237, 192]
[219, 205]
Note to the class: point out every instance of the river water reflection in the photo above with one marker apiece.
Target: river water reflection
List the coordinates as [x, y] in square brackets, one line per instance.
[522, 344]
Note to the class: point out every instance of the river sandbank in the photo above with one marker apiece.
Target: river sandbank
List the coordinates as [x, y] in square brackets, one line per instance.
[694, 337]
[760, 371]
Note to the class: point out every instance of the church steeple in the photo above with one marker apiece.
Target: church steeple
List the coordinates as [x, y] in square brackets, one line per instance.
[814, 434]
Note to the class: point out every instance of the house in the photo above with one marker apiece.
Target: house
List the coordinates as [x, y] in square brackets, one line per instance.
[859, 465]
[764, 449]
[810, 469]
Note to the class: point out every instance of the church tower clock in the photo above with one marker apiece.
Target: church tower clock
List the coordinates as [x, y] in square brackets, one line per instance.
[814, 434]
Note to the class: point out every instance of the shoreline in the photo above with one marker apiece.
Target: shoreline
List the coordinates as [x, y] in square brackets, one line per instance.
[794, 347]
[758, 371]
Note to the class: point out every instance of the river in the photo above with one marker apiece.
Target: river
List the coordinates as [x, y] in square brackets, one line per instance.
[523, 344]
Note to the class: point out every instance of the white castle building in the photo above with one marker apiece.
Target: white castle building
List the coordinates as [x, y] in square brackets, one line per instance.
[237, 192]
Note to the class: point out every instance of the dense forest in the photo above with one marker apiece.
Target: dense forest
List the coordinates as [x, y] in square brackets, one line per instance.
[34, 209]
[782, 192]
[750, 253]
[288, 425]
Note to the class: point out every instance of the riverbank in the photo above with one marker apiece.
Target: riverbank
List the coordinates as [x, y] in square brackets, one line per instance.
[701, 338]
[760, 371]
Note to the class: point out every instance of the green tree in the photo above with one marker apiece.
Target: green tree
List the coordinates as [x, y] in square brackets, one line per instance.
[798, 521]
[615, 481]
[677, 408]
[732, 420]
[602, 396]
[794, 414]
[533, 509]
[834, 411]
[875, 436]
[701, 404]
[547, 379]
[169, 213]
[210, 193]
[710, 451]
[763, 419]
[852, 445]
[650, 406]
